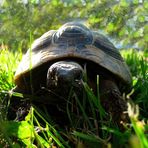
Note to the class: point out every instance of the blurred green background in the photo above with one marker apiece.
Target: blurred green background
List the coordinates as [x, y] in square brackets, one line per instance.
[125, 22]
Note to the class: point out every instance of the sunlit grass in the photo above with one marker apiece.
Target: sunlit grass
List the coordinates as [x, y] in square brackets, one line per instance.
[138, 126]
[8, 63]
[47, 134]
[138, 63]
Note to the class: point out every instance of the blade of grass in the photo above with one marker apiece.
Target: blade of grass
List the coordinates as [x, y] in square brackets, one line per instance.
[83, 112]
[91, 138]
[52, 129]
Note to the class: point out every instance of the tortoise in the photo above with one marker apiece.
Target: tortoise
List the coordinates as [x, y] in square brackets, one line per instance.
[59, 59]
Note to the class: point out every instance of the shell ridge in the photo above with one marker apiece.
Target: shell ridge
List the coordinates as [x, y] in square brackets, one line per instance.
[111, 51]
[44, 41]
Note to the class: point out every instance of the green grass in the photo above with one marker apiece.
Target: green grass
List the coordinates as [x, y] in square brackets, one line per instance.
[8, 63]
[38, 129]
[138, 64]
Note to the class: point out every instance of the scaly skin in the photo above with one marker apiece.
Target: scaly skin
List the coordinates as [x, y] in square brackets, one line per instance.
[113, 101]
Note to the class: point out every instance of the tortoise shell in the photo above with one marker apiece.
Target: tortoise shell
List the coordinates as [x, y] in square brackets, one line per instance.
[73, 40]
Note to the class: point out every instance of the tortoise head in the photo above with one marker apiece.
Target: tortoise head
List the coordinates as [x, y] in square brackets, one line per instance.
[63, 76]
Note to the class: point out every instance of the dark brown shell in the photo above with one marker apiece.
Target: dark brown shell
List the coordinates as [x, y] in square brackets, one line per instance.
[74, 40]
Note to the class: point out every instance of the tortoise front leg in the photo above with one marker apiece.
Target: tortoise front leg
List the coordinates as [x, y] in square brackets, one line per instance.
[113, 101]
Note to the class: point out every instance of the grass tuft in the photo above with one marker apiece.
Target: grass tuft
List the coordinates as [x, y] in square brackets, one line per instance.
[39, 130]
